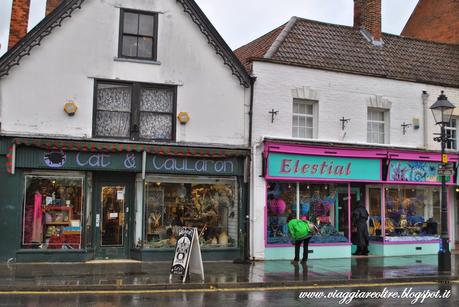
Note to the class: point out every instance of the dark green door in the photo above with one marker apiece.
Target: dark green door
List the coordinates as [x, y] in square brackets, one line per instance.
[112, 218]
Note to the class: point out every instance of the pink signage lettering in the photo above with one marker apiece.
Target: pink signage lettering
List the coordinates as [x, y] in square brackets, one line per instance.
[289, 166]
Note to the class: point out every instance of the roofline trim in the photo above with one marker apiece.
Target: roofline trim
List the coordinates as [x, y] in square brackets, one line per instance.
[280, 38]
[23, 48]
[216, 41]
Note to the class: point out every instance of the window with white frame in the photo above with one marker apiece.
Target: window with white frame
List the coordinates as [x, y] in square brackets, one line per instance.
[304, 119]
[377, 126]
[451, 133]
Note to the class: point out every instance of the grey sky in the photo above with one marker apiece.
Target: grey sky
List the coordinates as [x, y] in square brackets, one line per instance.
[240, 21]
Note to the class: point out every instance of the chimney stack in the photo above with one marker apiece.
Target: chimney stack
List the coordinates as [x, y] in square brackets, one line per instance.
[19, 21]
[51, 5]
[367, 16]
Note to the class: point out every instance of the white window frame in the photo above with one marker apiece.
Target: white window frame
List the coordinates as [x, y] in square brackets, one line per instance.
[385, 122]
[314, 117]
[449, 129]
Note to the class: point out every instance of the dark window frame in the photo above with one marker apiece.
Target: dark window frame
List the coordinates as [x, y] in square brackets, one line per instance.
[154, 37]
[135, 109]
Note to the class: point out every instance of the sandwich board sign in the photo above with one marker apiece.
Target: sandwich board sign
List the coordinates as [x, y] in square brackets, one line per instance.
[187, 257]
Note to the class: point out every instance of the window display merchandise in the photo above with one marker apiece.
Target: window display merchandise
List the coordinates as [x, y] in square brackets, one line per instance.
[318, 203]
[52, 212]
[209, 206]
[412, 211]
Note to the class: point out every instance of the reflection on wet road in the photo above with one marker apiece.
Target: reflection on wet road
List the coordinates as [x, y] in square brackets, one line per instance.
[262, 297]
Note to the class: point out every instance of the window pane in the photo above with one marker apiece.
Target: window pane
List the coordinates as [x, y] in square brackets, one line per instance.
[52, 213]
[145, 47]
[309, 122]
[295, 121]
[146, 25]
[171, 205]
[130, 23]
[302, 108]
[302, 121]
[129, 46]
[412, 211]
[301, 133]
[155, 126]
[309, 109]
[112, 124]
[375, 212]
[308, 133]
[112, 97]
[156, 99]
[296, 107]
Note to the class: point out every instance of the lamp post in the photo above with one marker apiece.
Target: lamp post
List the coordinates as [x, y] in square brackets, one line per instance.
[442, 111]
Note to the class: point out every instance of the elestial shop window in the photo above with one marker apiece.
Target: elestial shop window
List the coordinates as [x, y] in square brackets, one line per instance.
[211, 206]
[52, 214]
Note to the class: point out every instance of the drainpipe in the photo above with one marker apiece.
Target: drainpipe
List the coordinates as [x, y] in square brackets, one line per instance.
[251, 218]
[425, 97]
[249, 209]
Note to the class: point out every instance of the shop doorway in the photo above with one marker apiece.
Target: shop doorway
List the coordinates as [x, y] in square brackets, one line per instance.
[343, 201]
[112, 202]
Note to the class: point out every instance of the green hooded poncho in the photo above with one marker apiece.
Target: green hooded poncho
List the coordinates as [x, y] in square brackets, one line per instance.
[298, 229]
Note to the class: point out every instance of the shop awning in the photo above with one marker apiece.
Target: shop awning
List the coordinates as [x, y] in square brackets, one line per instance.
[88, 146]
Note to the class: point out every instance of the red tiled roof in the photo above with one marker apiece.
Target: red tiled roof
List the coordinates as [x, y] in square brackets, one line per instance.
[257, 48]
[341, 48]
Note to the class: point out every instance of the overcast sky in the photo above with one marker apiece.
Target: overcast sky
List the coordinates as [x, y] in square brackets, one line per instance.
[240, 21]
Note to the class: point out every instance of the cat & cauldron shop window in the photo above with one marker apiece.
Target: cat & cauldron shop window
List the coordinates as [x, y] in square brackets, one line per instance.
[326, 205]
[211, 205]
[52, 214]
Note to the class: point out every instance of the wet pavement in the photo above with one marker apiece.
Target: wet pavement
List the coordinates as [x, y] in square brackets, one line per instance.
[155, 275]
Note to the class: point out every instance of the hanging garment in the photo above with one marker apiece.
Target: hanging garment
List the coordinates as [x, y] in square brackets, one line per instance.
[37, 222]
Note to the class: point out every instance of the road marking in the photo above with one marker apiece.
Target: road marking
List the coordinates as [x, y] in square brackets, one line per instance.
[214, 289]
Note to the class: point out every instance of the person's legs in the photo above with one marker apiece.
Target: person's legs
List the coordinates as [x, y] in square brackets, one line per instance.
[306, 249]
[297, 250]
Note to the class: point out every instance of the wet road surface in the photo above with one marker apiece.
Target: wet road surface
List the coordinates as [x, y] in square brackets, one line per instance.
[278, 297]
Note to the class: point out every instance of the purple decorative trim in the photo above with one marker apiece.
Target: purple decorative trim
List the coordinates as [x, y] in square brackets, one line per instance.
[311, 244]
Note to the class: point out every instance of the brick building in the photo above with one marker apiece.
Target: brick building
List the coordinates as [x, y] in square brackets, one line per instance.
[434, 20]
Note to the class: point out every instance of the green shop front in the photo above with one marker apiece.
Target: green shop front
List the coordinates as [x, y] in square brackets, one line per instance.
[75, 201]
[324, 184]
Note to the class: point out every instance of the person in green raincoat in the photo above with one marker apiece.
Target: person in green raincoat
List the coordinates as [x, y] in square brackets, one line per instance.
[300, 231]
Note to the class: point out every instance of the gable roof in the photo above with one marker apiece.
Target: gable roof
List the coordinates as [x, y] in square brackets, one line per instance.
[340, 48]
[65, 10]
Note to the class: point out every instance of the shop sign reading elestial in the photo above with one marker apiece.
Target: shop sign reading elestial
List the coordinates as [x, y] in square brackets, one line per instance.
[299, 166]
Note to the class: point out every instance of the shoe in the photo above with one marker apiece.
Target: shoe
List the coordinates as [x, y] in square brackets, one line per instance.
[294, 262]
[357, 254]
[304, 260]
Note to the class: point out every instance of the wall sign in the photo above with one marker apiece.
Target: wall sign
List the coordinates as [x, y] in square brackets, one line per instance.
[414, 171]
[189, 165]
[299, 166]
[72, 160]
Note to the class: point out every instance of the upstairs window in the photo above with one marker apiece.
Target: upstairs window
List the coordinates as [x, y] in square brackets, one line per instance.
[377, 126]
[304, 119]
[451, 133]
[138, 35]
[134, 111]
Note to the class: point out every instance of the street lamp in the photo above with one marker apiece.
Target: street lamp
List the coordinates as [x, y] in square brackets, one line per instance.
[442, 111]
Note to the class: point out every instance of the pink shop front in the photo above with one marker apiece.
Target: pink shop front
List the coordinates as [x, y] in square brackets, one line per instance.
[400, 189]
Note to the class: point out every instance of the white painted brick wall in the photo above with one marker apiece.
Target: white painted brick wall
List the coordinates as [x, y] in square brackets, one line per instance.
[339, 95]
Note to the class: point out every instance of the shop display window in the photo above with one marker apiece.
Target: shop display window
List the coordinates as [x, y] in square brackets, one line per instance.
[326, 205]
[374, 221]
[209, 205]
[412, 211]
[52, 212]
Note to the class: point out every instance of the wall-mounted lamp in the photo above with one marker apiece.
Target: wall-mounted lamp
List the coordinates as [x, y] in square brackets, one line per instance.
[183, 118]
[344, 121]
[273, 113]
[70, 108]
[405, 126]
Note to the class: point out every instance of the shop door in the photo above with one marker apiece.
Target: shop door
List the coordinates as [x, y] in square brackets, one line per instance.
[112, 217]
[343, 201]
